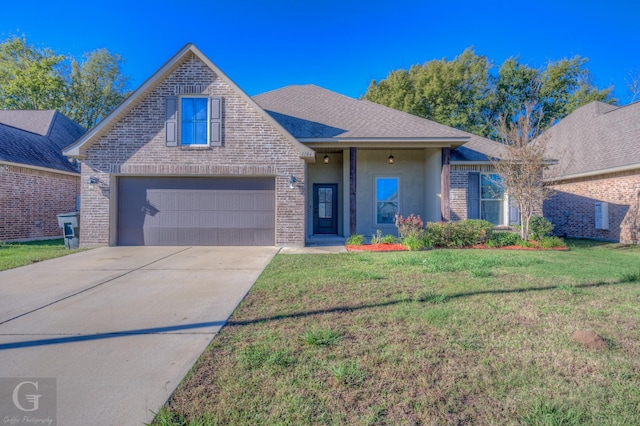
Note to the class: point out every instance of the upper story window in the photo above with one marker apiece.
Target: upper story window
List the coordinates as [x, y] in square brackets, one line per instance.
[387, 196]
[194, 121]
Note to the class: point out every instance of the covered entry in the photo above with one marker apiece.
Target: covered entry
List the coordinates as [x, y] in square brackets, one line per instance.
[159, 211]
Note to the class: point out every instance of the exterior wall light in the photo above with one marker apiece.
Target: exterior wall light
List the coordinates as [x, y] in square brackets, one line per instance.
[391, 158]
[292, 182]
[93, 180]
[326, 159]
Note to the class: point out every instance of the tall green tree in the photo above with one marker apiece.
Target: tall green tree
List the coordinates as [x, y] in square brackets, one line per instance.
[95, 87]
[30, 78]
[85, 90]
[467, 92]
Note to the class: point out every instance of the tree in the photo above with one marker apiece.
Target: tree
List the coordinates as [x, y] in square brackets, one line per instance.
[30, 78]
[453, 93]
[523, 161]
[633, 86]
[464, 93]
[95, 87]
[33, 78]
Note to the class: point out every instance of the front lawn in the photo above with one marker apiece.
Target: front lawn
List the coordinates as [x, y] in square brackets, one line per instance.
[13, 255]
[435, 337]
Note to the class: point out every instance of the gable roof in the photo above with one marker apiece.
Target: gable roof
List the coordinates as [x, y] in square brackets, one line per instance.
[79, 148]
[311, 114]
[594, 139]
[37, 138]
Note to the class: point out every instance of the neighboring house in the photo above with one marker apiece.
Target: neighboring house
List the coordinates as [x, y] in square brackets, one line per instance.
[597, 179]
[36, 181]
[190, 159]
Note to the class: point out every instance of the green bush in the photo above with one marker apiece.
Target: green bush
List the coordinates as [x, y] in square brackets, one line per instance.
[410, 225]
[551, 242]
[539, 227]
[388, 239]
[463, 233]
[413, 243]
[526, 244]
[355, 240]
[502, 239]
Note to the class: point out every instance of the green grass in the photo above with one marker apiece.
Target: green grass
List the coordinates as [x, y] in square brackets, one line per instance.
[13, 255]
[437, 337]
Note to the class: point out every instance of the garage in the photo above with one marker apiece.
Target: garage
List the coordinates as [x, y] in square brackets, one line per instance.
[179, 211]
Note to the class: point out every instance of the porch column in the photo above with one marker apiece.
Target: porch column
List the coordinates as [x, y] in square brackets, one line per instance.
[352, 190]
[445, 184]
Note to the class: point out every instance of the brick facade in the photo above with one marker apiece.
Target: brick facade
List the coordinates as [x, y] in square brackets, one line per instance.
[31, 199]
[577, 197]
[135, 146]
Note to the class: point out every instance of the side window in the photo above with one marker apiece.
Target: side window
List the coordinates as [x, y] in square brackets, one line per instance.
[387, 200]
[491, 198]
[194, 121]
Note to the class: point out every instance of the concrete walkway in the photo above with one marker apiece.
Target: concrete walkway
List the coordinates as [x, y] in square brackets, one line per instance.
[118, 327]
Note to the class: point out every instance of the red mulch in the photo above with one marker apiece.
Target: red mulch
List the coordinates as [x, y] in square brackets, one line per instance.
[400, 247]
[377, 247]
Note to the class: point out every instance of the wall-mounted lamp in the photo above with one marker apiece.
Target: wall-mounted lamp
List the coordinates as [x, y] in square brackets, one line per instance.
[93, 180]
[292, 182]
[4, 168]
[391, 158]
[326, 159]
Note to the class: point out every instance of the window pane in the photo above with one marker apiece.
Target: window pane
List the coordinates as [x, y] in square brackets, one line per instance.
[187, 133]
[386, 200]
[491, 186]
[187, 109]
[492, 211]
[200, 105]
[200, 136]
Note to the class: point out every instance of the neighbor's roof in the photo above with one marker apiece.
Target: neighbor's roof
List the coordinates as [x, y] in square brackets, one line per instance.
[311, 113]
[594, 139]
[37, 138]
[79, 148]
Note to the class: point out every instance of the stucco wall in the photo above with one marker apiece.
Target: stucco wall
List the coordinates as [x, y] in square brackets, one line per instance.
[31, 199]
[572, 208]
[136, 146]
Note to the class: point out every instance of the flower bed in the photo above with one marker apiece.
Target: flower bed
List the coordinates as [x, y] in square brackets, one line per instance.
[377, 247]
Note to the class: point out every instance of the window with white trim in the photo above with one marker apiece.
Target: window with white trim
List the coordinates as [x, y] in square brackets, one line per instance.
[387, 200]
[491, 198]
[194, 120]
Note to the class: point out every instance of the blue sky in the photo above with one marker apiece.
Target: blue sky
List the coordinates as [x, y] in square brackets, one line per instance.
[337, 44]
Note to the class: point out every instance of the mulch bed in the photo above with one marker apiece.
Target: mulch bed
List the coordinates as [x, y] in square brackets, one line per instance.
[400, 247]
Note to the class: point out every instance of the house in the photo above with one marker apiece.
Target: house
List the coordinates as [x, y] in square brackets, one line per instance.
[190, 159]
[597, 179]
[36, 181]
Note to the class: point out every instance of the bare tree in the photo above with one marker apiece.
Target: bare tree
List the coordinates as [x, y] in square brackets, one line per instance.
[633, 86]
[523, 161]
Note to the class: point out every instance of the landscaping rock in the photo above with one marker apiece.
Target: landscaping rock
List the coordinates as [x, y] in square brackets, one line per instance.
[590, 339]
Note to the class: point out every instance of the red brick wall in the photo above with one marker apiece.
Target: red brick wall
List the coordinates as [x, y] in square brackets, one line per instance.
[30, 200]
[136, 146]
[577, 197]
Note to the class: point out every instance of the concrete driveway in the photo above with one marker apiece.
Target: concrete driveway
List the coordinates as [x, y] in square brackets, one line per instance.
[117, 327]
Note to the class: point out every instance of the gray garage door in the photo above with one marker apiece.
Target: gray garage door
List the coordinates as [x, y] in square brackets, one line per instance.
[158, 211]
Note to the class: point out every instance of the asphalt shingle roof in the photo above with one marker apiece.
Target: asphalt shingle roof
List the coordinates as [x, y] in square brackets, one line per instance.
[36, 138]
[309, 111]
[595, 137]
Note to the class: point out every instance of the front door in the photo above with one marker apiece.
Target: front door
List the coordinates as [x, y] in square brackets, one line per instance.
[325, 208]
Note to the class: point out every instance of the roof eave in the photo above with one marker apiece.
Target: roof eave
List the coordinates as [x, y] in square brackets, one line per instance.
[606, 171]
[373, 142]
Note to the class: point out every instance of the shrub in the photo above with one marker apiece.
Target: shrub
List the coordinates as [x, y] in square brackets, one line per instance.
[539, 227]
[411, 225]
[389, 239]
[526, 244]
[377, 237]
[413, 243]
[551, 242]
[355, 240]
[457, 234]
[502, 239]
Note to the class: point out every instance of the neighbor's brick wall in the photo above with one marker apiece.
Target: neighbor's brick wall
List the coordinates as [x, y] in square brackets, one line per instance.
[30, 201]
[136, 146]
[459, 176]
[578, 197]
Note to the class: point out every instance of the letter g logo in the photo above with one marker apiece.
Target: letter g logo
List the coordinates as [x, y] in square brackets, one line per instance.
[33, 399]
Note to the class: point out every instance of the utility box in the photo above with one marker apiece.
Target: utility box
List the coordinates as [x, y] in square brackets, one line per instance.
[70, 225]
[602, 215]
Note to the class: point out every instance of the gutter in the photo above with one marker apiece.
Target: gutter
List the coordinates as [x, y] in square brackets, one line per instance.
[596, 172]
